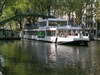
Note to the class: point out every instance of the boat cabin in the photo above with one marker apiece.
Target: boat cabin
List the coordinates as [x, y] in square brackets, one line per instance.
[65, 31]
[49, 26]
[53, 22]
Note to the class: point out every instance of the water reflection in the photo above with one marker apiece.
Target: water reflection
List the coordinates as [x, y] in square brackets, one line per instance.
[28, 57]
[64, 59]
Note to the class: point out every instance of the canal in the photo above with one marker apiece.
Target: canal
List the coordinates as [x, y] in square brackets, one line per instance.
[28, 57]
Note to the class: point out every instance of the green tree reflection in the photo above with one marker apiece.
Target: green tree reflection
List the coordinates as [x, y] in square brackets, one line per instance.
[25, 58]
[19, 62]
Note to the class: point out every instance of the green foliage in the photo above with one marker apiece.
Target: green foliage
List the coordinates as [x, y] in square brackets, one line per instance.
[59, 7]
[98, 11]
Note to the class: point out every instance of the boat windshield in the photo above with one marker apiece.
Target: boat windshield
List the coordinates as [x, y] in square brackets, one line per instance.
[57, 23]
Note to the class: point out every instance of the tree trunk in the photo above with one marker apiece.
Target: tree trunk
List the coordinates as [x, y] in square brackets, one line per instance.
[29, 20]
[2, 7]
[20, 23]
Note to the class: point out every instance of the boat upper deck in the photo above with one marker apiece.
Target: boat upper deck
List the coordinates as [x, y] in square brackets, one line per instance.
[53, 22]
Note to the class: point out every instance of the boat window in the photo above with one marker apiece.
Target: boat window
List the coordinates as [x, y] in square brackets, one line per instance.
[62, 33]
[76, 32]
[35, 33]
[52, 23]
[42, 23]
[50, 32]
[85, 33]
[41, 34]
[63, 23]
[69, 32]
[57, 23]
[28, 32]
[72, 32]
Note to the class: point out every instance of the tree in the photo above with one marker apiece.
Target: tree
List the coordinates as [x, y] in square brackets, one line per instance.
[45, 7]
[98, 14]
[2, 6]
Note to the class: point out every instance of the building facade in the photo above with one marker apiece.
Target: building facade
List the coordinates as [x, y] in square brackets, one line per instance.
[89, 18]
[98, 18]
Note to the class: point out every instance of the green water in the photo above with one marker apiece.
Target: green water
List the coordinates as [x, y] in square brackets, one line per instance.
[28, 57]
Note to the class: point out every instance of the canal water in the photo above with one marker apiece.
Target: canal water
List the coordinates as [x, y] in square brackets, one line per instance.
[28, 57]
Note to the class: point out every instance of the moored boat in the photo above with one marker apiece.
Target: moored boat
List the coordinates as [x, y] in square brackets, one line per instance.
[57, 31]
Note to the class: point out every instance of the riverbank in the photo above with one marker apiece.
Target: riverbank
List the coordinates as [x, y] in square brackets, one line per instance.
[10, 38]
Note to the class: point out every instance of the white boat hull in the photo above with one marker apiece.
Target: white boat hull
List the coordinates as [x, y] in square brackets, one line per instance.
[61, 40]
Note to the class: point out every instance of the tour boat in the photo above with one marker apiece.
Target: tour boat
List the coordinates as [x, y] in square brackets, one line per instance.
[57, 31]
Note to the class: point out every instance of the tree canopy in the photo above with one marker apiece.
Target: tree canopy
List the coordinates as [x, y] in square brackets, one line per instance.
[9, 8]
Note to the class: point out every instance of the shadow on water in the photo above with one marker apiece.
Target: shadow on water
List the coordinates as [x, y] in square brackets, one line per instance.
[28, 57]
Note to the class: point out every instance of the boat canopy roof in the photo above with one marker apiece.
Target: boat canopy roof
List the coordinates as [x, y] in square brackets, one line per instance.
[54, 19]
[69, 27]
